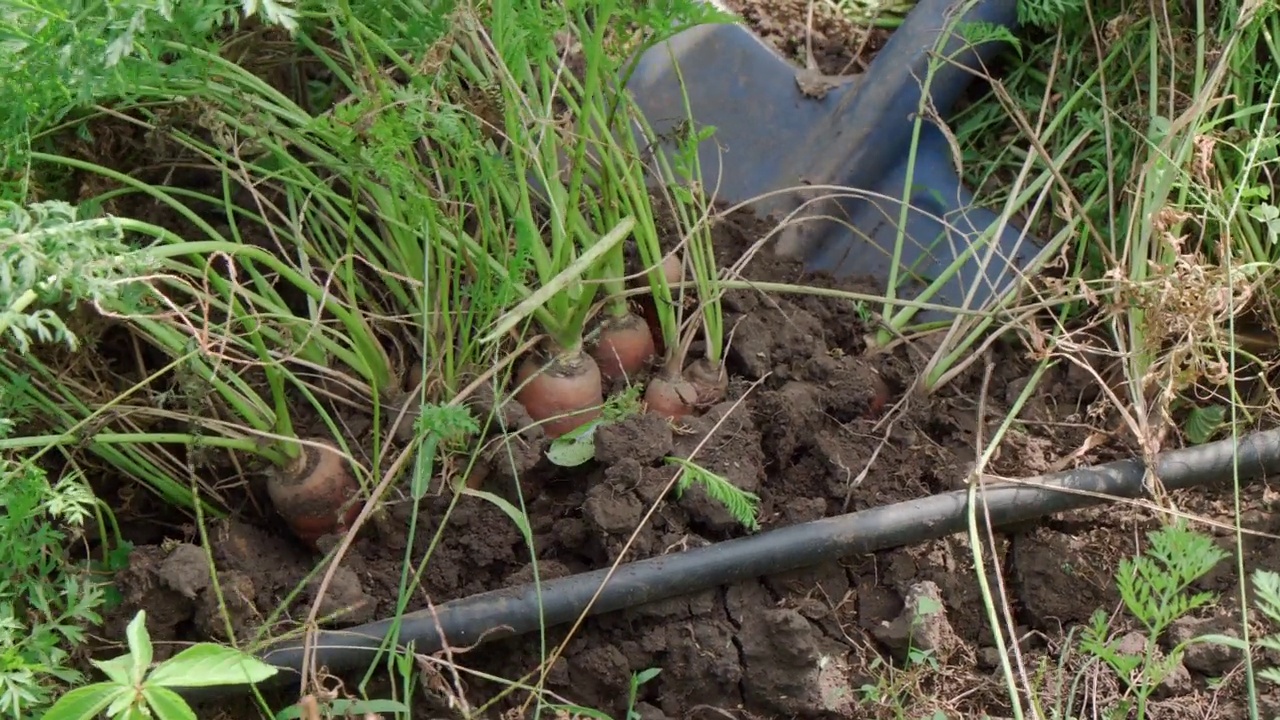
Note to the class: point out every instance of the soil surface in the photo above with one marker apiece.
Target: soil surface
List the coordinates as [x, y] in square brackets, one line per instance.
[815, 426]
[812, 34]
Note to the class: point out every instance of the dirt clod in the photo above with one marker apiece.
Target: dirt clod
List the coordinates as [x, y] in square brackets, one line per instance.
[643, 437]
[1208, 659]
[1044, 563]
[237, 608]
[344, 601]
[185, 570]
[793, 666]
[922, 625]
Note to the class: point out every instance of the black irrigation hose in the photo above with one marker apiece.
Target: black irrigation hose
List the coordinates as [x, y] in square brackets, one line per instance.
[515, 611]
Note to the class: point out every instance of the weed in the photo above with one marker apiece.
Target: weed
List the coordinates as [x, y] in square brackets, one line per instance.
[51, 260]
[134, 689]
[578, 446]
[638, 679]
[896, 685]
[46, 601]
[1154, 589]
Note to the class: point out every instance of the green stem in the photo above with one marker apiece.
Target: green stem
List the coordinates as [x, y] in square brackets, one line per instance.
[24, 301]
[195, 441]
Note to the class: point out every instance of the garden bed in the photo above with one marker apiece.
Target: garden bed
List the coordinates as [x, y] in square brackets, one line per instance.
[812, 424]
[805, 426]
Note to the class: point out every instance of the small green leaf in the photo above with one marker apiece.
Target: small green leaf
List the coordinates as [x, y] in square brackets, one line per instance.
[124, 706]
[424, 466]
[1203, 422]
[118, 670]
[580, 711]
[209, 664]
[926, 605]
[645, 676]
[167, 704]
[136, 712]
[1264, 212]
[85, 703]
[139, 645]
[573, 449]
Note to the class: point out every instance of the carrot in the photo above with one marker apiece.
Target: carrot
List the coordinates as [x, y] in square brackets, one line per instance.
[315, 494]
[670, 397]
[709, 381]
[562, 391]
[674, 396]
[625, 346]
[673, 268]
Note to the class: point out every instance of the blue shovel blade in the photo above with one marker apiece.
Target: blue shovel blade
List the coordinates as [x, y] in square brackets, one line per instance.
[783, 148]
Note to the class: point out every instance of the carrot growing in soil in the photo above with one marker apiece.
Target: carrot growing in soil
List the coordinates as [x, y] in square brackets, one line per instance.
[557, 132]
[624, 344]
[560, 383]
[316, 493]
[682, 388]
[319, 493]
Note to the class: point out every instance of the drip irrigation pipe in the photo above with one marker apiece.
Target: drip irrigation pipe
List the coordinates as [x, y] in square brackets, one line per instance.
[514, 611]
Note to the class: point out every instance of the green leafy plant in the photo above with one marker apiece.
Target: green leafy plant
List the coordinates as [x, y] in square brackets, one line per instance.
[570, 127]
[1203, 422]
[895, 685]
[1154, 589]
[561, 127]
[682, 387]
[253, 332]
[51, 257]
[46, 601]
[638, 679]
[134, 689]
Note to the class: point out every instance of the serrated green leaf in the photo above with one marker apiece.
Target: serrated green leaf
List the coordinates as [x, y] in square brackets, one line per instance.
[209, 664]
[1203, 422]
[167, 704]
[85, 703]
